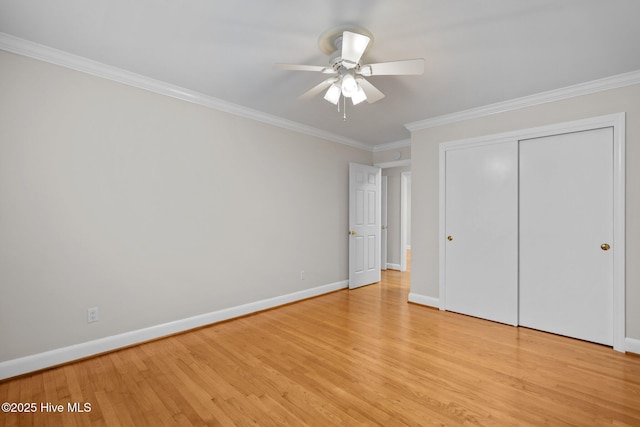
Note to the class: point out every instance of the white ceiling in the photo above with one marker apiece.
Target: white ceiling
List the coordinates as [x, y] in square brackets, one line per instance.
[477, 52]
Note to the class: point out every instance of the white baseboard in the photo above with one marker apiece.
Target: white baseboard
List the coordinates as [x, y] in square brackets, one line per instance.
[393, 266]
[23, 365]
[424, 300]
[632, 345]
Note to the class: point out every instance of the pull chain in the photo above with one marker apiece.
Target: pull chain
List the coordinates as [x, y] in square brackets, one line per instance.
[344, 109]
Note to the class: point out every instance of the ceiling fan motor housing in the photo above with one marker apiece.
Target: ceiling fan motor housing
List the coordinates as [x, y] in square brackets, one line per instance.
[331, 40]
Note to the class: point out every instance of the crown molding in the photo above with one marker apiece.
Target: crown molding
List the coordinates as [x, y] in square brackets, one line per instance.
[64, 59]
[392, 145]
[580, 89]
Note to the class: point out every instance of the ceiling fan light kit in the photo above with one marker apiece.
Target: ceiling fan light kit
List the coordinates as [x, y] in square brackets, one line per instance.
[333, 94]
[349, 85]
[345, 47]
[358, 96]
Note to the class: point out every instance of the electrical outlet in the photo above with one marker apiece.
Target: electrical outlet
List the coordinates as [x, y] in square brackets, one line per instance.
[92, 315]
[302, 275]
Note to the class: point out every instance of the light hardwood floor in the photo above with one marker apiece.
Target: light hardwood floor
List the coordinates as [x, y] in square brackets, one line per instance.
[360, 357]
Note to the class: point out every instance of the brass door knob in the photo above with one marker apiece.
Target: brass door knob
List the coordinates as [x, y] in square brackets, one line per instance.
[352, 233]
[449, 238]
[605, 247]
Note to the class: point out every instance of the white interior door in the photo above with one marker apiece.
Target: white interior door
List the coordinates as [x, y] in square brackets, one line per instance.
[364, 224]
[481, 225]
[383, 231]
[566, 215]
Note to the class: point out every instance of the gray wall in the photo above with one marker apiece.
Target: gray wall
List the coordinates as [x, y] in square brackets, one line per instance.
[151, 208]
[424, 151]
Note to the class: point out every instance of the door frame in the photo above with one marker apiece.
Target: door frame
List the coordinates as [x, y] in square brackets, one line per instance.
[618, 123]
[383, 217]
[405, 177]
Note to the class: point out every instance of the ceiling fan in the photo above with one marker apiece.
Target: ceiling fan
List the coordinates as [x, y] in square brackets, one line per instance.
[346, 45]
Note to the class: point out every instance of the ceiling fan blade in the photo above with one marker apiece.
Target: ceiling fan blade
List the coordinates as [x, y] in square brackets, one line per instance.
[296, 67]
[318, 88]
[373, 94]
[394, 68]
[353, 46]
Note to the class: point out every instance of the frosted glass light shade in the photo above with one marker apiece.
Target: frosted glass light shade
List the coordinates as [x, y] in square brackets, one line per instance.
[333, 94]
[349, 85]
[359, 96]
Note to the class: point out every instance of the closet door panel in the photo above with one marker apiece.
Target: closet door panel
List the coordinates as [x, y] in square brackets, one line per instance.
[481, 223]
[566, 216]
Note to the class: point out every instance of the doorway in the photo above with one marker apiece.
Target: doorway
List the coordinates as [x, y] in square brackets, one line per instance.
[398, 219]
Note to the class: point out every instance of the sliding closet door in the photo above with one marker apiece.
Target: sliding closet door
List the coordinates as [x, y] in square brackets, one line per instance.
[481, 223]
[566, 232]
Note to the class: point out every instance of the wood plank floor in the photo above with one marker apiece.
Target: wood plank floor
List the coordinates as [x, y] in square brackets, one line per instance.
[350, 358]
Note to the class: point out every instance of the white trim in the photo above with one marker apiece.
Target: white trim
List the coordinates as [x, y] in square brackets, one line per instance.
[393, 266]
[632, 345]
[617, 121]
[424, 300]
[84, 65]
[594, 86]
[619, 231]
[391, 145]
[405, 177]
[23, 365]
[442, 150]
[394, 164]
[384, 232]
